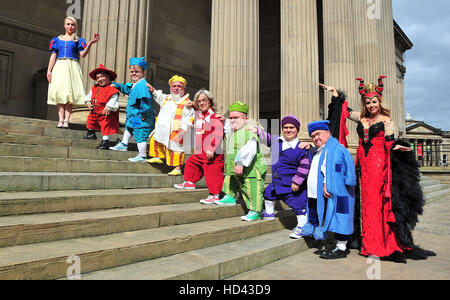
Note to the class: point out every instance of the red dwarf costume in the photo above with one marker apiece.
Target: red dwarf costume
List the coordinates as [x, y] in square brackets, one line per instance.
[208, 137]
[96, 120]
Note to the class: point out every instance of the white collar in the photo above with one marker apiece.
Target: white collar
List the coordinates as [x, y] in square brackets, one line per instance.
[288, 144]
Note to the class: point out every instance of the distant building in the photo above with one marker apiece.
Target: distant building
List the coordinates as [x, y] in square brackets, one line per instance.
[430, 145]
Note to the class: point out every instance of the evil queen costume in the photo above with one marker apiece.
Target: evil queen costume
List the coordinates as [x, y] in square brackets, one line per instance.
[390, 197]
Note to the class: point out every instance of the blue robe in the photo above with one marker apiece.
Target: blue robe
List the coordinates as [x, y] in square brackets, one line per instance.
[341, 181]
[140, 113]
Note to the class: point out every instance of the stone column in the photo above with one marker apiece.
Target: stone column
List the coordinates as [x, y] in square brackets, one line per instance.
[124, 27]
[234, 58]
[339, 55]
[375, 49]
[299, 61]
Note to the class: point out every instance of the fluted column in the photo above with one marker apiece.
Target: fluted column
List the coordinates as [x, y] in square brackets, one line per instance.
[123, 26]
[234, 58]
[375, 49]
[339, 55]
[299, 61]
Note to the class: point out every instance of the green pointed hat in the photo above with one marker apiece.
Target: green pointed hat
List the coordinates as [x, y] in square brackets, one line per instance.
[238, 106]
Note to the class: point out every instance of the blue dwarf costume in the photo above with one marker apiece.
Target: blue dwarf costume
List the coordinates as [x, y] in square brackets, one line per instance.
[67, 79]
[332, 164]
[140, 115]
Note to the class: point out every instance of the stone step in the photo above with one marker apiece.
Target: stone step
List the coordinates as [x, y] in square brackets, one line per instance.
[425, 183]
[20, 203]
[38, 228]
[433, 188]
[30, 139]
[49, 260]
[437, 195]
[52, 181]
[211, 263]
[72, 152]
[65, 165]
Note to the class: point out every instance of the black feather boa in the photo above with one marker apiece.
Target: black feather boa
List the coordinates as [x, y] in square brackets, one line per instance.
[407, 198]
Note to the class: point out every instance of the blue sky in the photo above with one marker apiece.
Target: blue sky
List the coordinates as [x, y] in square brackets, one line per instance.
[427, 24]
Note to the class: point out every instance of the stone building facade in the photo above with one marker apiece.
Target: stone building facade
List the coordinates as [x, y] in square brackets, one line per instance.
[431, 145]
[270, 54]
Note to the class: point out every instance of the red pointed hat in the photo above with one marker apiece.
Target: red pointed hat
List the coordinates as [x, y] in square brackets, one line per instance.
[102, 68]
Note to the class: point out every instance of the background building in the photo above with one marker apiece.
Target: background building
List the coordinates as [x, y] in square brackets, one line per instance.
[270, 54]
[431, 145]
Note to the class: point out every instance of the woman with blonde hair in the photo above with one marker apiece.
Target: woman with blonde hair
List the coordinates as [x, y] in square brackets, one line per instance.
[64, 75]
[390, 192]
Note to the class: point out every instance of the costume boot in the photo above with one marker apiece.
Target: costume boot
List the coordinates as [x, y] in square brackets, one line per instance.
[90, 135]
[104, 145]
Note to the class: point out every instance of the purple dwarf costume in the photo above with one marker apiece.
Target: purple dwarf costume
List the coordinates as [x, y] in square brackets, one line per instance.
[290, 164]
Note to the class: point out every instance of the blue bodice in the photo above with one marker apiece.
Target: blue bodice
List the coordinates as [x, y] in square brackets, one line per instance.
[67, 49]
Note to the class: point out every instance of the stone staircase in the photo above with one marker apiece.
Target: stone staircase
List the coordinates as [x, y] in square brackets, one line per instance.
[434, 190]
[61, 198]
[62, 201]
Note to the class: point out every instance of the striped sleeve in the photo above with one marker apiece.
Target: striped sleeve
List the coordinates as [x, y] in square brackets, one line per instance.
[302, 171]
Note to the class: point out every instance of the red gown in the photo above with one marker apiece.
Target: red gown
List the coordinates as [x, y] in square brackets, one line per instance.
[373, 157]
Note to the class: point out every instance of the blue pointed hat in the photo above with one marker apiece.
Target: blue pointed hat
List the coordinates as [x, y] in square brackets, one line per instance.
[136, 61]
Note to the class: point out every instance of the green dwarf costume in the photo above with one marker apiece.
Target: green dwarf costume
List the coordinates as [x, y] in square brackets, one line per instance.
[251, 183]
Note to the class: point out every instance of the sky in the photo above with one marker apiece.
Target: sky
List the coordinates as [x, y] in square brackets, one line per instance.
[427, 24]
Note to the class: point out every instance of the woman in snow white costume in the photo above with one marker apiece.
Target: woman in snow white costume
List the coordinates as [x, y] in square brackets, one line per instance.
[390, 194]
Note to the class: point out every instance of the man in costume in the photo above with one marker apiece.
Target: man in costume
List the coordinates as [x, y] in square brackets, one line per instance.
[103, 103]
[174, 120]
[290, 168]
[140, 114]
[245, 169]
[331, 183]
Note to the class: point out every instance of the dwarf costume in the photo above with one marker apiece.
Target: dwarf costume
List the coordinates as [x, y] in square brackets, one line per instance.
[140, 114]
[102, 97]
[243, 149]
[166, 142]
[290, 164]
[332, 165]
[208, 137]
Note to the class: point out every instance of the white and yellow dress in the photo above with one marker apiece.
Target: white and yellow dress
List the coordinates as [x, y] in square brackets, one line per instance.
[67, 79]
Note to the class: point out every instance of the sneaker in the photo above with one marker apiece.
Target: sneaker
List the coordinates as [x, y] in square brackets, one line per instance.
[226, 201]
[137, 158]
[266, 216]
[185, 185]
[155, 160]
[174, 172]
[296, 233]
[251, 216]
[119, 147]
[209, 200]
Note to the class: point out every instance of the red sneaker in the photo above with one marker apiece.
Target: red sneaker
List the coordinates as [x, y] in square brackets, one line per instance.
[209, 200]
[185, 185]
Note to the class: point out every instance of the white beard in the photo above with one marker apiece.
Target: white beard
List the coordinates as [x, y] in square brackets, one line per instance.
[176, 98]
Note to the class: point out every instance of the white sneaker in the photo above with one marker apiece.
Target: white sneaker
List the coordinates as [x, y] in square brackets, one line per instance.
[296, 233]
